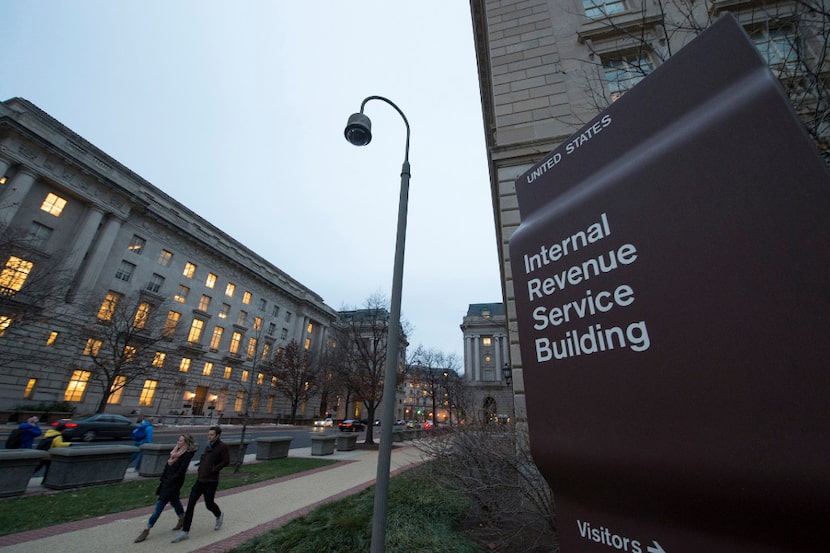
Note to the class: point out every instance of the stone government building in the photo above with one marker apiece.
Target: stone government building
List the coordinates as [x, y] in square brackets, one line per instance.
[79, 224]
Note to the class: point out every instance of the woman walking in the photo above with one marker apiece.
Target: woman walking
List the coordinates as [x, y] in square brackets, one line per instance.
[172, 479]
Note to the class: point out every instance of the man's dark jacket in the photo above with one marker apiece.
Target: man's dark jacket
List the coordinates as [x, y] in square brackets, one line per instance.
[214, 458]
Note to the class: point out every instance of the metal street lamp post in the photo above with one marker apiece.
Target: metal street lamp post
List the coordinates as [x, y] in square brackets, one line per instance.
[359, 132]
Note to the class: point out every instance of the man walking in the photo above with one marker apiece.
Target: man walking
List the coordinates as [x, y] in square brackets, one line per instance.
[214, 458]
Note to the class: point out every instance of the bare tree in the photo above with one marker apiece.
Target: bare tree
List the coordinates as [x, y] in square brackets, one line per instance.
[121, 342]
[298, 377]
[362, 336]
[431, 368]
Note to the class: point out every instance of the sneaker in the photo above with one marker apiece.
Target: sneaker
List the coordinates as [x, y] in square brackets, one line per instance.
[181, 536]
[219, 520]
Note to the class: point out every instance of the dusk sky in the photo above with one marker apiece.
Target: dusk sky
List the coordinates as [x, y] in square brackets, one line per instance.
[237, 110]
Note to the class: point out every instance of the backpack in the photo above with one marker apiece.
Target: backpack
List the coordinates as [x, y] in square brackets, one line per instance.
[46, 443]
[15, 439]
[139, 434]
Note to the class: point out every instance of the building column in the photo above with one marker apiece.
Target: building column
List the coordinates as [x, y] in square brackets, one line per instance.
[83, 239]
[98, 254]
[4, 167]
[497, 349]
[477, 358]
[15, 192]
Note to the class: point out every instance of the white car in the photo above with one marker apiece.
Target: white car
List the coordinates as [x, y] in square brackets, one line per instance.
[327, 423]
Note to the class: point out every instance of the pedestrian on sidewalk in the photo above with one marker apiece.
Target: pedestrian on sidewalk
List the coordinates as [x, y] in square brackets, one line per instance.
[172, 479]
[28, 431]
[51, 440]
[214, 458]
[142, 434]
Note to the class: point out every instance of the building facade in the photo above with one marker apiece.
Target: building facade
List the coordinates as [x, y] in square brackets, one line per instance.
[547, 67]
[487, 362]
[83, 236]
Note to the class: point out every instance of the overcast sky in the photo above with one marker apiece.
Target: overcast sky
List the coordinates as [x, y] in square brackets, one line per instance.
[237, 109]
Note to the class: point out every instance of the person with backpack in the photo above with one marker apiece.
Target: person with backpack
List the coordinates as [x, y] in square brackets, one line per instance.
[24, 435]
[172, 480]
[52, 439]
[142, 434]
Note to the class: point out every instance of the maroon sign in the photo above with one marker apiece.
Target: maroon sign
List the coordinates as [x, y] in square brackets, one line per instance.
[672, 284]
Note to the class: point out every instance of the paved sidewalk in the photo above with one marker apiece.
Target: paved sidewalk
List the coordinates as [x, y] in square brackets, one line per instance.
[249, 510]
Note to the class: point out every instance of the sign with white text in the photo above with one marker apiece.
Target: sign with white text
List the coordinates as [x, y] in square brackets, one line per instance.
[672, 285]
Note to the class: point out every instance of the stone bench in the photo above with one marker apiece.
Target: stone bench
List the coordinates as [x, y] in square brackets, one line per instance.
[346, 441]
[154, 458]
[235, 449]
[272, 447]
[322, 444]
[16, 468]
[74, 467]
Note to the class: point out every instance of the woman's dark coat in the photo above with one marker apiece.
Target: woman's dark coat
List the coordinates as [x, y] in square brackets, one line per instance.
[172, 478]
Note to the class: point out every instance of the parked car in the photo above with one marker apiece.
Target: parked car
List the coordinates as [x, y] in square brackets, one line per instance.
[100, 426]
[350, 425]
[325, 423]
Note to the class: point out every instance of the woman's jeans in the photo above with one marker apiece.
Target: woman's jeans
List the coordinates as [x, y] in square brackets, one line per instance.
[176, 504]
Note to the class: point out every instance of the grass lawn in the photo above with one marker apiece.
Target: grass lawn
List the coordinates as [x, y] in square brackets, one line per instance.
[420, 517]
[37, 511]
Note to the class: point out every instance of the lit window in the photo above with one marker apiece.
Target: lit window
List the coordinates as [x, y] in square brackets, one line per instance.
[245, 375]
[77, 386]
[223, 313]
[236, 339]
[625, 72]
[158, 359]
[110, 303]
[228, 372]
[14, 275]
[189, 270]
[155, 283]
[210, 281]
[273, 381]
[216, 338]
[39, 234]
[181, 293]
[246, 298]
[487, 358]
[251, 348]
[195, 331]
[52, 337]
[269, 406]
[142, 314]
[93, 346]
[257, 323]
[208, 368]
[242, 318]
[125, 271]
[148, 392]
[240, 400]
[165, 258]
[310, 328]
[3, 180]
[307, 343]
[204, 303]
[184, 366]
[128, 354]
[5, 321]
[597, 9]
[230, 289]
[117, 390]
[53, 205]
[266, 351]
[30, 388]
[170, 324]
[486, 341]
[137, 244]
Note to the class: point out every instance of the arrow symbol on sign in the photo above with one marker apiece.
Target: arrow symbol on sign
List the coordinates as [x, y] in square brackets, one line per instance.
[656, 548]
